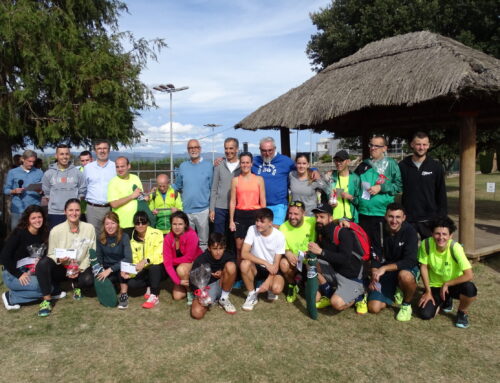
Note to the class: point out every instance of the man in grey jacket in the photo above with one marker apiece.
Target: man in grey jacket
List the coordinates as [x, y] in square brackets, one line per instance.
[61, 182]
[221, 185]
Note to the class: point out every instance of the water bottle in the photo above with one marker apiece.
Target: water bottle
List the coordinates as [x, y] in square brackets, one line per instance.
[312, 285]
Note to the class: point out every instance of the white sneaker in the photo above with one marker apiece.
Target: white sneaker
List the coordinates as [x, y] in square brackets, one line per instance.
[250, 302]
[227, 306]
[7, 304]
[61, 295]
[272, 297]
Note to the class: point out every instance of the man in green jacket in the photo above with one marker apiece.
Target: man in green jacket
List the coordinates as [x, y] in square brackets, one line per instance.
[163, 202]
[380, 182]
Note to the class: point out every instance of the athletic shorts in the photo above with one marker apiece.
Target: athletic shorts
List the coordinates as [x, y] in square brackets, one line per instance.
[389, 283]
[347, 289]
[243, 219]
[262, 273]
[279, 212]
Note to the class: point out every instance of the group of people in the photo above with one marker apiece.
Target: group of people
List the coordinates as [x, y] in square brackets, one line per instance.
[249, 221]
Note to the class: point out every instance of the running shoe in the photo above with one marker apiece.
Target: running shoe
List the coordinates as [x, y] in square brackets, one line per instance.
[398, 297]
[77, 294]
[60, 295]
[292, 292]
[462, 320]
[362, 306]
[447, 305]
[6, 302]
[323, 302]
[152, 301]
[404, 314]
[250, 302]
[123, 301]
[271, 297]
[189, 298]
[227, 306]
[45, 309]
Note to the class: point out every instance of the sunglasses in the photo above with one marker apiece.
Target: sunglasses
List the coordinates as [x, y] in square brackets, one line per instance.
[375, 146]
[296, 203]
[140, 223]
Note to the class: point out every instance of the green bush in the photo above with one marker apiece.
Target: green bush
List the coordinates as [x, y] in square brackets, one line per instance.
[486, 162]
[326, 158]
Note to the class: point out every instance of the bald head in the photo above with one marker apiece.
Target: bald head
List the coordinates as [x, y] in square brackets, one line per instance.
[162, 182]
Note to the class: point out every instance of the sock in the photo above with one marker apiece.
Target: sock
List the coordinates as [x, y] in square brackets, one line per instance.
[252, 292]
[224, 295]
[326, 290]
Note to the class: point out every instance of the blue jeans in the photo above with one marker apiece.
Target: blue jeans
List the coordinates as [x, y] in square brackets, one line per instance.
[22, 294]
[221, 220]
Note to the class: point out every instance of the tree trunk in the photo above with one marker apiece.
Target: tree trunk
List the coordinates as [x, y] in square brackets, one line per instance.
[5, 165]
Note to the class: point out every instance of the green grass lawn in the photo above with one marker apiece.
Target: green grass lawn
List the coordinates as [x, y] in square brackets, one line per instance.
[277, 342]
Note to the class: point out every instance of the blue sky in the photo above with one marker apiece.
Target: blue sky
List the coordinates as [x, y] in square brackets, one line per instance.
[235, 55]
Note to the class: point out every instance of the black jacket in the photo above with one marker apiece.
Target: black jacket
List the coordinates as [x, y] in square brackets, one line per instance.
[424, 190]
[400, 248]
[341, 258]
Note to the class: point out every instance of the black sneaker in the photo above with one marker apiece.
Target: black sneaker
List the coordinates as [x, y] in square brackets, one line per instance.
[123, 301]
[447, 305]
[462, 320]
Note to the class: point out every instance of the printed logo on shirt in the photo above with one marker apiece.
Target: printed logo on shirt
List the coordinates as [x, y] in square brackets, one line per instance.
[401, 244]
[424, 173]
[267, 168]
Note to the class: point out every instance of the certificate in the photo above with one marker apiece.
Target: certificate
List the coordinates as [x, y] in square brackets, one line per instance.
[34, 187]
[365, 185]
[300, 260]
[128, 268]
[65, 253]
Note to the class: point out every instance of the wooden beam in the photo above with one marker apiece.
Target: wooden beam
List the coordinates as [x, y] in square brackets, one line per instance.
[467, 203]
[365, 140]
[285, 141]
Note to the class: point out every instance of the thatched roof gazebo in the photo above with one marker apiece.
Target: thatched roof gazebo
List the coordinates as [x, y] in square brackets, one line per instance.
[410, 82]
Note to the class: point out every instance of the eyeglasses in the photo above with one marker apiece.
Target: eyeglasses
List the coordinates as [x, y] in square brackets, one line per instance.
[372, 146]
[194, 147]
[140, 223]
[296, 203]
[266, 150]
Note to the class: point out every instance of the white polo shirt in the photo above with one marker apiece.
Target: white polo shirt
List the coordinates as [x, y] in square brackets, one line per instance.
[263, 247]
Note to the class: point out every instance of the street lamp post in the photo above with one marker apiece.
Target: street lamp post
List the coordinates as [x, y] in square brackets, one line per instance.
[170, 88]
[213, 126]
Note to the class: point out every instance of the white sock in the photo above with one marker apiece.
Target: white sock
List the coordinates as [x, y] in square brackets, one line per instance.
[251, 292]
[224, 295]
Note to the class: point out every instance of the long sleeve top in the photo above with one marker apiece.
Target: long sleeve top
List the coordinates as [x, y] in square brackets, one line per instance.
[111, 253]
[188, 246]
[16, 248]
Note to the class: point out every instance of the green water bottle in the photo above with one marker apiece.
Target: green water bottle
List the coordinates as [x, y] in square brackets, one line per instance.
[311, 285]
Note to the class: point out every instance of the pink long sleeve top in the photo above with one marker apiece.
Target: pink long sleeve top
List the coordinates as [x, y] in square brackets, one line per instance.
[188, 246]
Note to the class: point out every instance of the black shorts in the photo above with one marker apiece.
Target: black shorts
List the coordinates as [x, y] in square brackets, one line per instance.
[243, 219]
[262, 273]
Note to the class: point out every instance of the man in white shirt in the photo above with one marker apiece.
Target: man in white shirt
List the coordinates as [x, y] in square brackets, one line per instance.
[262, 250]
[97, 175]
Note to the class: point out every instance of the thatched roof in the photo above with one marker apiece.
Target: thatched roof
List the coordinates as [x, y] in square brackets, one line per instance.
[415, 78]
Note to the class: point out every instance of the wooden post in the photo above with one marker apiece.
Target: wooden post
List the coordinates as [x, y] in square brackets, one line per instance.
[365, 140]
[467, 205]
[285, 141]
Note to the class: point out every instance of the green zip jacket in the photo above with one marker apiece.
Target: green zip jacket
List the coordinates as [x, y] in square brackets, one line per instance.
[377, 204]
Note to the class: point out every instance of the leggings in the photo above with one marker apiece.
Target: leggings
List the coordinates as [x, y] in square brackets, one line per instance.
[51, 274]
[467, 289]
[150, 276]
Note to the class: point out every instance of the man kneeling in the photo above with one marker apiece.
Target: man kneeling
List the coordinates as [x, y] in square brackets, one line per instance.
[262, 250]
[446, 273]
[223, 268]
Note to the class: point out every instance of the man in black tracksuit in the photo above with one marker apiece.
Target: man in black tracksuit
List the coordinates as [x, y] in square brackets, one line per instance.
[424, 190]
[397, 267]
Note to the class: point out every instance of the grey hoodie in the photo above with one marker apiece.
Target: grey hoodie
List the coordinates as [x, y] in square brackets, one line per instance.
[61, 185]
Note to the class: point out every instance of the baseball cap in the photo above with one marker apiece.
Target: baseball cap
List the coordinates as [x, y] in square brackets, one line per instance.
[322, 208]
[342, 155]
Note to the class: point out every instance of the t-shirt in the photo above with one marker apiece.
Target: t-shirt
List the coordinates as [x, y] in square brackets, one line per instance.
[275, 174]
[232, 165]
[343, 208]
[442, 266]
[215, 264]
[265, 248]
[298, 238]
[119, 188]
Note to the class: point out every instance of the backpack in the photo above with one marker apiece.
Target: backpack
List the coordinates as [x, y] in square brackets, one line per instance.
[427, 246]
[361, 238]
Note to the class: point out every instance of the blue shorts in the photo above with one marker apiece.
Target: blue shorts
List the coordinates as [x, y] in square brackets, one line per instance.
[389, 283]
[279, 212]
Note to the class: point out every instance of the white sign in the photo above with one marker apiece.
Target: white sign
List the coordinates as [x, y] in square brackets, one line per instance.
[128, 268]
[65, 253]
[490, 187]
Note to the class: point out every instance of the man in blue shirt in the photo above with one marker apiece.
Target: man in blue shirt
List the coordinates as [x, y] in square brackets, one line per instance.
[194, 181]
[18, 179]
[97, 175]
[274, 168]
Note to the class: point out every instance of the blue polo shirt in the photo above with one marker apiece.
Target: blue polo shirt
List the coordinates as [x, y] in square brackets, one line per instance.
[97, 178]
[20, 202]
[194, 181]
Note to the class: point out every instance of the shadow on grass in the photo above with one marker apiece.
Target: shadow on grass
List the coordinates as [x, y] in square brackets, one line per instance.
[485, 209]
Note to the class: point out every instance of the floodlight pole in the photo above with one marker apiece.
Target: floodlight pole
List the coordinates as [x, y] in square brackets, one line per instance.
[213, 126]
[170, 88]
